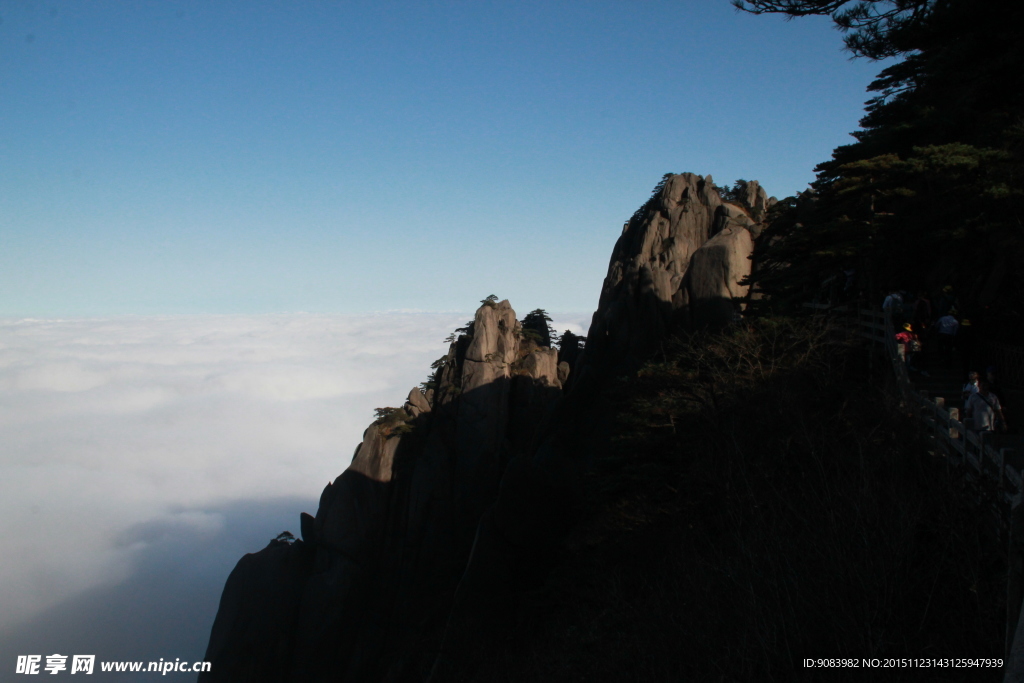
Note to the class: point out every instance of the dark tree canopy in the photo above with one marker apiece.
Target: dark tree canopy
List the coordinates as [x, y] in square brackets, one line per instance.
[737, 192]
[569, 347]
[537, 325]
[931, 191]
[436, 370]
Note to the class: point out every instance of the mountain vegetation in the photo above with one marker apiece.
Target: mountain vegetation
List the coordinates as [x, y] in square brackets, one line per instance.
[537, 326]
[761, 499]
[932, 191]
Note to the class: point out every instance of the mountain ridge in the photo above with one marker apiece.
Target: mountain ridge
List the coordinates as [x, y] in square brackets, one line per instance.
[454, 501]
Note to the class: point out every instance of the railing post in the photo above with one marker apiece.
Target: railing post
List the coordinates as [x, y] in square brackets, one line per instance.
[938, 413]
[954, 414]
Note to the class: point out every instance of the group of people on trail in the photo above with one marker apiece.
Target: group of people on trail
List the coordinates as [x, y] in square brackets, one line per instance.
[936, 321]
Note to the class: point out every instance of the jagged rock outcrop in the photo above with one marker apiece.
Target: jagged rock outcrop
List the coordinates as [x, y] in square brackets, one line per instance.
[678, 264]
[417, 403]
[713, 280]
[377, 566]
[457, 500]
[375, 456]
[756, 199]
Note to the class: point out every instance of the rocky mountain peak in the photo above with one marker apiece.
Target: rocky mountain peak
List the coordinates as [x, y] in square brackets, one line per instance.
[678, 264]
[382, 556]
[458, 496]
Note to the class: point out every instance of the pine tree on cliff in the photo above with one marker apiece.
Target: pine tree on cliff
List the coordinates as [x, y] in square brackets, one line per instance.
[537, 325]
[930, 193]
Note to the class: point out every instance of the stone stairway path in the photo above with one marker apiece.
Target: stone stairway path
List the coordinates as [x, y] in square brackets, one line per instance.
[940, 381]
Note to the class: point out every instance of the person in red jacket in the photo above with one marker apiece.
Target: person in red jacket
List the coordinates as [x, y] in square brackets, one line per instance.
[911, 347]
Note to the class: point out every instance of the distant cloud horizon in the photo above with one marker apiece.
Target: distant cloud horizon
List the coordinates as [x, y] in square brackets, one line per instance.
[143, 456]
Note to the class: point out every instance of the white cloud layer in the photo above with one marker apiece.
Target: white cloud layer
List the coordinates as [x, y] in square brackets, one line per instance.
[135, 449]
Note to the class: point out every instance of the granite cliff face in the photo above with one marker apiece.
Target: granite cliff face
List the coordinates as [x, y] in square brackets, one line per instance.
[678, 264]
[455, 502]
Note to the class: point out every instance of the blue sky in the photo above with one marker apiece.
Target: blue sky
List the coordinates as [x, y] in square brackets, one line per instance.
[348, 157]
[164, 161]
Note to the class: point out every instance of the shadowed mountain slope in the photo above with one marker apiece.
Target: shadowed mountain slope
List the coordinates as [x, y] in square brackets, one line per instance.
[458, 500]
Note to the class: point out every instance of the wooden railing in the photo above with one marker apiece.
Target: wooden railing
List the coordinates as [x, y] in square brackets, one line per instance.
[981, 463]
[960, 444]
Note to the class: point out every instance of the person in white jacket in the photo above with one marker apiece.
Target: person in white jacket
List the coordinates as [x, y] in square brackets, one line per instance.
[971, 387]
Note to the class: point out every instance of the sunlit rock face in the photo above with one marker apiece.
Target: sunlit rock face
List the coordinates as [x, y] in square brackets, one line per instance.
[713, 286]
[678, 264]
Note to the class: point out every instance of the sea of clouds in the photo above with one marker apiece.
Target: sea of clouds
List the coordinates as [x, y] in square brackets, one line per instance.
[141, 457]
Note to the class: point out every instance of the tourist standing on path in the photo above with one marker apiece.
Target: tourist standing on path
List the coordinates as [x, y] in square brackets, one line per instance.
[971, 387]
[911, 347]
[993, 380]
[984, 410]
[893, 302]
[893, 305]
[945, 328]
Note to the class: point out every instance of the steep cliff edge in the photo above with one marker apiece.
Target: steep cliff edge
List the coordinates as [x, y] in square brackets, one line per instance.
[377, 565]
[454, 501]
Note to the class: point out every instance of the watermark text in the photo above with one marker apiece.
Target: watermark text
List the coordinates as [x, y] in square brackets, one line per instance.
[86, 664]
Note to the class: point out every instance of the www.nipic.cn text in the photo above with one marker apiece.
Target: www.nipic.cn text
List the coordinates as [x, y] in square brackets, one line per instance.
[85, 664]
